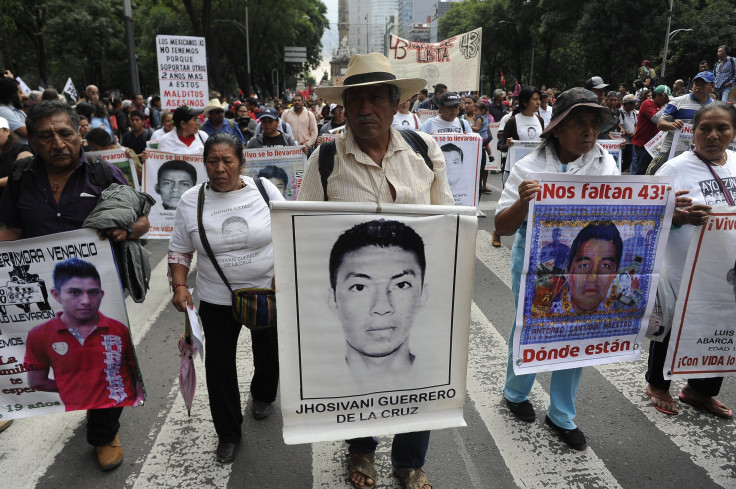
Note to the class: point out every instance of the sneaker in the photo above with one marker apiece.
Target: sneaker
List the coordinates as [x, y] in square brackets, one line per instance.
[480, 213]
[572, 438]
[261, 409]
[496, 239]
[110, 456]
[522, 410]
[4, 425]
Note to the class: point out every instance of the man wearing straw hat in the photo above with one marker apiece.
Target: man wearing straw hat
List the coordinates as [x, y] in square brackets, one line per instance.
[374, 163]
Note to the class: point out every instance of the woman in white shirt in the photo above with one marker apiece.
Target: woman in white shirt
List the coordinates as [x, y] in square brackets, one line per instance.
[186, 138]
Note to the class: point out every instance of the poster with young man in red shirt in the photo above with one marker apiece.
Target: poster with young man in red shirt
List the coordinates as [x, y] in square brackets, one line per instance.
[65, 343]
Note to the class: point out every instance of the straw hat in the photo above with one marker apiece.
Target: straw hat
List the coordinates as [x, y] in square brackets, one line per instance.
[212, 105]
[366, 70]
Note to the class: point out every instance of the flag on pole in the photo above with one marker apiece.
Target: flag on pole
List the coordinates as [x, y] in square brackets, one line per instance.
[503, 79]
[69, 88]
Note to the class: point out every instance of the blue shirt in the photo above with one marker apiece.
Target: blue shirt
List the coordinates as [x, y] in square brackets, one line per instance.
[210, 129]
[682, 108]
[725, 72]
[16, 119]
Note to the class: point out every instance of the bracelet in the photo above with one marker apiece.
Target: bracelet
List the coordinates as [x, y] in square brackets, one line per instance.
[174, 286]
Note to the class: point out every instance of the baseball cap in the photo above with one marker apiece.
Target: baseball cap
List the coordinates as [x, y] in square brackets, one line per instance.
[270, 112]
[663, 89]
[629, 99]
[449, 99]
[4, 123]
[184, 113]
[595, 82]
[707, 76]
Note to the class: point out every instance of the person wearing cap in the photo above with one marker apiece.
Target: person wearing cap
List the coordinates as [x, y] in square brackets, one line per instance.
[447, 121]
[434, 102]
[270, 134]
[337, 121]
[596, 85]
[186, 138]
[679, 111]
[725, 73]
[645, 70]
[646, 128]
[545, 109]
[214, 111]
[373, 163]
[627, 116]
[11, 149]
[568, 146]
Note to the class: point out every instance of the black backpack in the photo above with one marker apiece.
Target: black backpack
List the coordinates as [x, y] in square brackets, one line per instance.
[100, 174]
[327, 151]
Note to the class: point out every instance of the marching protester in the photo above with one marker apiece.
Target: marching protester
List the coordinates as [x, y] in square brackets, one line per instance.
[337, 112]
[707, 166]
[11, 149]
[646, 128]
[725, 72]
[447, 121]
[373, 163]
[138, 135]
[270, 134]
[568, 146]
[627, 116]
[10, 106]
[679, 111]
[167, 125]
[434, 102]
[216, 121]
[228, 219]
[186, 138]
[302, 121]
[48, 202]
[404, 119]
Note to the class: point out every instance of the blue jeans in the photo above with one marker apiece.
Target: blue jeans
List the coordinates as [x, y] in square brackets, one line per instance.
[408, 450]
[564, 384]
[723, 93]
[640, 161]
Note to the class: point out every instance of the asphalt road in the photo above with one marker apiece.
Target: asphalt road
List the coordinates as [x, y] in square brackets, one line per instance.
[630, 445]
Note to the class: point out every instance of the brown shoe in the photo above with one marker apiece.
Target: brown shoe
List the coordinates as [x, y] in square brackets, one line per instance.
[4, 425]
[110, 456]
[496, 239]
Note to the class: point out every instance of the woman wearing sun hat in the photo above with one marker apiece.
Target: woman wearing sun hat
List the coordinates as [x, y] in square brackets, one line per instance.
[568, 146]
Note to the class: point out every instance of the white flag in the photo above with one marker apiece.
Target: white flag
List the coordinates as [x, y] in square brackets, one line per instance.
[23, 85]
[69, 88]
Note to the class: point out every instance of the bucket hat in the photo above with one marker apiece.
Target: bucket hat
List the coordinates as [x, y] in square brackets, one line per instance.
[577, 98]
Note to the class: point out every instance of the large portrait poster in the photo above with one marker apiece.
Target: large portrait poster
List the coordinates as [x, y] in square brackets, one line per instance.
[703, 328]
[166, 176]
[119, 158]
[494, 165]
[182, 71]
[282, 165]
[462, 160]
[64, 338]
[682, 140]
[594, 245]
[374, 315]
[454, 61]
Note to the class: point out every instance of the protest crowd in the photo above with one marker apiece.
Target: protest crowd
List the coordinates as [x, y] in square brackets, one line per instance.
[376, 131]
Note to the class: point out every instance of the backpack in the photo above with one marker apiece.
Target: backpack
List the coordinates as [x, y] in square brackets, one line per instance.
[100, 174]
[327, 151]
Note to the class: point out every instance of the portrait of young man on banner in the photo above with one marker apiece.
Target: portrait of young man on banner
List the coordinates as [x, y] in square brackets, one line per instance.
[462, 159]
[283, 166]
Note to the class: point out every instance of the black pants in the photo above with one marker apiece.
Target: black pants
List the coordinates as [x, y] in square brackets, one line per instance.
[103, 425]
[221, 334]
[657, 354]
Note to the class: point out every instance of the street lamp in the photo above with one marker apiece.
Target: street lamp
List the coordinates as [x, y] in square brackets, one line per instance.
[670, 36]
[243, 30]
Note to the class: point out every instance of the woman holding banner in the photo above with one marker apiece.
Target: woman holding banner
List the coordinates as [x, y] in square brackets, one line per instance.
[568, 146]
[237, 223]
[714, 127]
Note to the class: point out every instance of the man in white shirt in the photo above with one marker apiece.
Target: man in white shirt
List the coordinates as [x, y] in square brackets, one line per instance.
[628, 116]
[303, 123]
[544, 110]
[447, 120]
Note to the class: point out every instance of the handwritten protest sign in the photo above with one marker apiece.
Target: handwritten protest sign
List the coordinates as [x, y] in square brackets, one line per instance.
[51, 360]
[119, 158]
[283, 165]
[703, 334]
[182, 71]
[332, 384]
[454, 61]
[462, 160]
[166, 176]
[593, 251]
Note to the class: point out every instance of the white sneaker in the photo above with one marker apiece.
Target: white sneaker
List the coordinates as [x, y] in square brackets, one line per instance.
[480, 213]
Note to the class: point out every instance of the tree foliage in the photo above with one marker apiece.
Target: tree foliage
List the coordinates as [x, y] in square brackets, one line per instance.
[47, 41]
[572, 41]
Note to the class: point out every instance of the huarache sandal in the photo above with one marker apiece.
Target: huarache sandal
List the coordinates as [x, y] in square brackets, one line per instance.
[711, 405]
[412, 478]
[668, 399]
[365, 464]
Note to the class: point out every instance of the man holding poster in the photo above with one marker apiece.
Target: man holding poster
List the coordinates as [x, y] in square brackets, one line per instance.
[56, 193]
[373, 163]
[569, 146]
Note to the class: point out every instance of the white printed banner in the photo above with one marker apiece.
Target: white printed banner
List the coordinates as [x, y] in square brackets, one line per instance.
[374, 315]
[594, 245]
[182, 71]
[282, 165]
[426, 114]
[65, 344]
[703, 329]
[462, 160]
[454, 61]
[613, 146]
[166, 176]
[653, 144]
[682, 140]
[69, 88]
[494, 165]
[519, 150]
